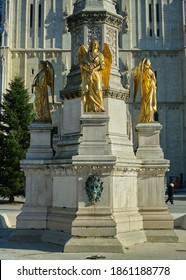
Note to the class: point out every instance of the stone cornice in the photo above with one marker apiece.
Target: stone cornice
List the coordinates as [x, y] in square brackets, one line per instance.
[94, 17]
[72, 170]
[158, 171]
[73, 93]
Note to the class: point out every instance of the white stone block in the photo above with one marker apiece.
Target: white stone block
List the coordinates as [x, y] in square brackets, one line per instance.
[40, 141]
[64, 192]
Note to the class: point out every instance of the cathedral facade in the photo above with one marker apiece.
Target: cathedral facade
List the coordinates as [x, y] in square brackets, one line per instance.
[34, 30]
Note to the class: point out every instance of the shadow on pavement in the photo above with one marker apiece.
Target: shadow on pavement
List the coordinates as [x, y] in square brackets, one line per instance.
[6, 243]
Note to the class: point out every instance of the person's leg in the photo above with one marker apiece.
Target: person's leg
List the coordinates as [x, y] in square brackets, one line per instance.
[171, 200]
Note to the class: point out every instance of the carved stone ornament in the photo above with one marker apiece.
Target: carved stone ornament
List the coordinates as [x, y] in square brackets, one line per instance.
[90, 17]
[94, 188]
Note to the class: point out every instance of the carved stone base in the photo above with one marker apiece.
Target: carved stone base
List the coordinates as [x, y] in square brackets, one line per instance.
[115, 244]
[32, 218]
[80, 245]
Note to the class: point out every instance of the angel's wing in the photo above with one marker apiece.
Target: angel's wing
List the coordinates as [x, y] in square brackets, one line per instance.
[108, 62]
[50, 78]
[138, 70]
[82, 51]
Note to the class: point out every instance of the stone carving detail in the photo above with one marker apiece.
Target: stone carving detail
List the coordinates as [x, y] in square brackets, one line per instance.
[126, 77]
[93, 17]
[109, 93]
[64, 170]
[111, 41]
[81, 169]
[94, 32]
[94, 188]
[125, 21]
[117, 95]
[153, 171]
[77, 40]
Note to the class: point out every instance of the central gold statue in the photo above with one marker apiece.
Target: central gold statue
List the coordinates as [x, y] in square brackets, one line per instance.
[145, 79]
[95, 72]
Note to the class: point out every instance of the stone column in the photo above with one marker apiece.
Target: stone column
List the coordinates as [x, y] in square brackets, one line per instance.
[39, 192]
[157, 222]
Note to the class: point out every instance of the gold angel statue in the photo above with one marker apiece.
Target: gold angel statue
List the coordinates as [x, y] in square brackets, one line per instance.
[41, 82]
[144, 78]
[95, 72]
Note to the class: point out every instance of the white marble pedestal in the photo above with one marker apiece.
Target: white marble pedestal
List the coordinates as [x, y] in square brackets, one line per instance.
[157, 222]
[39, 191]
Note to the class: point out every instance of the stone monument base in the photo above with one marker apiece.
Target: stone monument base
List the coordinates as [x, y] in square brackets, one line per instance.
[80, 245]
[129, 209]
[57, 198]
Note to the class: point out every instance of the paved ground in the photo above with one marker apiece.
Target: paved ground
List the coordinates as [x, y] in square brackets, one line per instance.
[14, 250]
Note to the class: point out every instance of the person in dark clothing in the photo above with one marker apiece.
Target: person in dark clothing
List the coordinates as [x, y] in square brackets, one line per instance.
[170, 193]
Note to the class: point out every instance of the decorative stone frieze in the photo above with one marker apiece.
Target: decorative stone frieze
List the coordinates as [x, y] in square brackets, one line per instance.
[153, 171]
[123, 95]
[77, 40]
[64, 170]
[111, 39]
[90, 17]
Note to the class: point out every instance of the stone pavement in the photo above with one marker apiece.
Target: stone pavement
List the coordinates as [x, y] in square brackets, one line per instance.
[21, 250]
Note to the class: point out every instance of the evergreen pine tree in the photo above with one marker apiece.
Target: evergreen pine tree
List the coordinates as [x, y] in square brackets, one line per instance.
[15, 116]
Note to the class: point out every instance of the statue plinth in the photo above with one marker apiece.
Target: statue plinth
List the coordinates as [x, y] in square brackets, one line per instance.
[148, 141]
[94, 147]
[40, 141]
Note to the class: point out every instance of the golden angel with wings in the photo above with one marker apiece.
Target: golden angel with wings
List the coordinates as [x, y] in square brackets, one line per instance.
[41, 82]
[95, 72]
[144, 78]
